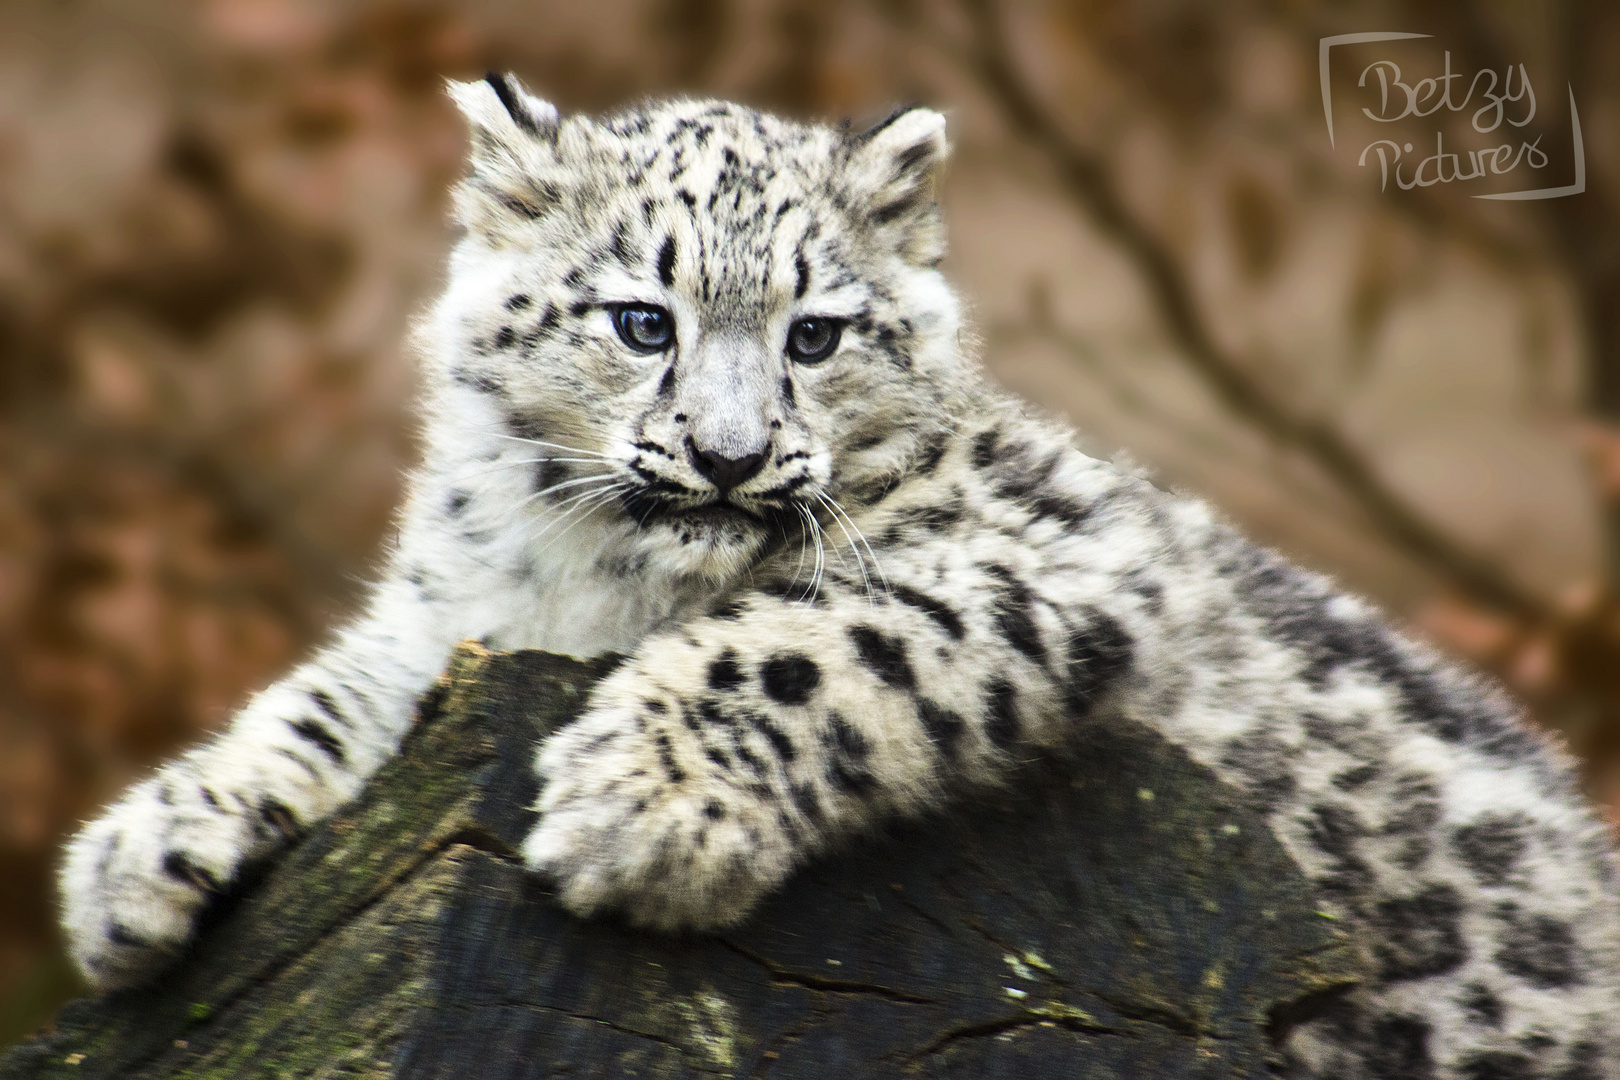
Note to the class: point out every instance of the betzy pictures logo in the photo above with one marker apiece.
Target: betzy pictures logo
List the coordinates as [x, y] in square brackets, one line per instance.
[1411, 113]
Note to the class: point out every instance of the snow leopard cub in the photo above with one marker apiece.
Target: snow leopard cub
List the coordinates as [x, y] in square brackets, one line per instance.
[698, 392]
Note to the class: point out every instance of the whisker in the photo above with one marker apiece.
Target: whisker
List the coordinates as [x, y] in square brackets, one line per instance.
[567, 521]
[587, 506]
[876, 564]
[804, 544]
[555, 487]
[804, 541]
[860, 560]
[463, 477]
[566, 484]
[821, 553]
[569, 506]
[506, 515]
[562, 511]
[555, 446]
[834, 548]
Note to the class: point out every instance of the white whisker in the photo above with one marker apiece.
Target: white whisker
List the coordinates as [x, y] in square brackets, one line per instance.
[804, 541]
[505, 515]
[589, 505]
[597, 454]
[860, 560]
[577, 502]
[821, 553]
[463, 477]
[876, 565]
[556, 487]
[566, 484]
[834, 548]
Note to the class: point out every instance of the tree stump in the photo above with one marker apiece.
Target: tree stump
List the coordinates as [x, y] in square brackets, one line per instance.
[1122, 915]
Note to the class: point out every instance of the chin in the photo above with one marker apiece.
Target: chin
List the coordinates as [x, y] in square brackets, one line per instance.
[711, 542]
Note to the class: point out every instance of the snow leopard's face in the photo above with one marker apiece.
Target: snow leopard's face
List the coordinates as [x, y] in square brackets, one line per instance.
[736, 317]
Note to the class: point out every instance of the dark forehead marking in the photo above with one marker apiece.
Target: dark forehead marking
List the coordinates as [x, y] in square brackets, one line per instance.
[620, 244]
[803, 268]
[666, 262]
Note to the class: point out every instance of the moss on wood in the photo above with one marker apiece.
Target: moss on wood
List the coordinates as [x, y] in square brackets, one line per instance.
[1123, 915]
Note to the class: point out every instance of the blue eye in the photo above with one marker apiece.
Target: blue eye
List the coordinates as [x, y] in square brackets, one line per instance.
[646, 328]
[812, 340]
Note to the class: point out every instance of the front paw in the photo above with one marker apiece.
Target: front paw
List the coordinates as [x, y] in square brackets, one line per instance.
[641, 813]
[135, 881]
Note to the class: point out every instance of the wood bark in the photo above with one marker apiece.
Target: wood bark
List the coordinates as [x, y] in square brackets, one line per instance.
[1118, 915]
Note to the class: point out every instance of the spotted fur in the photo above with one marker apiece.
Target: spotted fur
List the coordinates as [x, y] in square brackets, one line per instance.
[917, 587]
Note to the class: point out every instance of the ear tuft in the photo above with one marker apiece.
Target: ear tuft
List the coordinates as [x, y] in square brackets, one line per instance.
[887, 122]
[499, 103]
[893, 170]
[527, 111]
[517, 174]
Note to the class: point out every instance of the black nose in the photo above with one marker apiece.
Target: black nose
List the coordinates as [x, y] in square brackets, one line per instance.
[725, 472]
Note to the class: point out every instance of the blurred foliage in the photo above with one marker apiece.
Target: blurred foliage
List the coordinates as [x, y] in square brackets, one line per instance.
[217, 218]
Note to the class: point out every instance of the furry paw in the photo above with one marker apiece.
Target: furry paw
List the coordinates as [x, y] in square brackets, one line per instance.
[135, 881]
[643, 814]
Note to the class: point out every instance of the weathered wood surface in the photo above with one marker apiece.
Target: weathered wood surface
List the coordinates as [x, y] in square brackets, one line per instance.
[1122, 917]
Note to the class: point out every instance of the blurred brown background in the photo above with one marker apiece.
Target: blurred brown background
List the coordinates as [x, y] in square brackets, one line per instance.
[218, 216]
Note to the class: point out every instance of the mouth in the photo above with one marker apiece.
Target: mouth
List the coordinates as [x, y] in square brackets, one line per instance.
[711, 537]
[716, 513]
[650, 507]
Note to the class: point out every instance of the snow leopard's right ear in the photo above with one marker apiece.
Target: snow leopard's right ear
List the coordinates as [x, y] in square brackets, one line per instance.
[517, 173]
[893, 170]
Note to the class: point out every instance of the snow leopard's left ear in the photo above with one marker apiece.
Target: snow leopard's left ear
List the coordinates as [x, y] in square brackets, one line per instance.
[517, 172]
[893, 172]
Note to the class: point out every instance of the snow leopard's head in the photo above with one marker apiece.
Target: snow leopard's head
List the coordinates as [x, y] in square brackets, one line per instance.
[738, 318]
